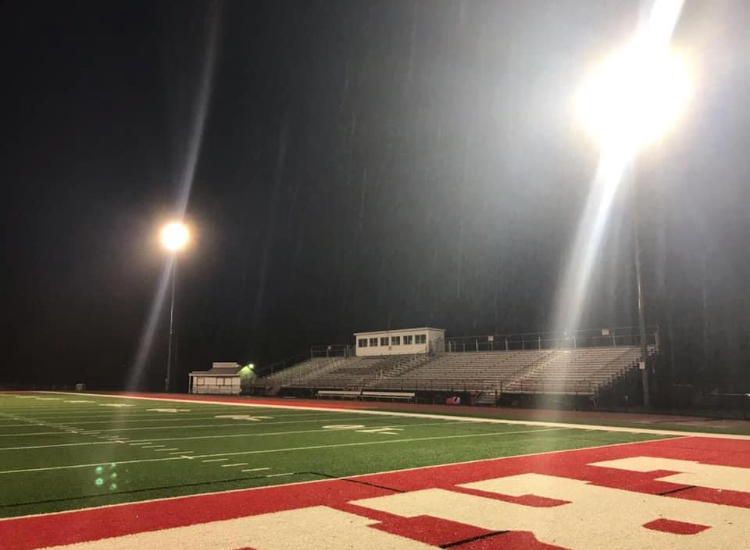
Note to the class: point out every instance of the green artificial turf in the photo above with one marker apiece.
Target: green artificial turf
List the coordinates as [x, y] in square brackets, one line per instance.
[57, 454]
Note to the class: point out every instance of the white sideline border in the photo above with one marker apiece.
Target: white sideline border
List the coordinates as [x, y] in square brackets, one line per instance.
[544, 424]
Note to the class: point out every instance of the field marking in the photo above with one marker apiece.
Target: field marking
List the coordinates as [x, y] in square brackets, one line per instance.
[591, 427]
[63, 427]
[230, 425]
[33, 433]
[281, 450]
[165, 450]
[168, 420]
[128, 416]
[355, 476]
[234, 464]
[284, 474]
[181, 452]
[326, 429]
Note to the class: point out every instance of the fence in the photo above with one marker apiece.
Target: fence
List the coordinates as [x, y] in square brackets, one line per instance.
[587, 338]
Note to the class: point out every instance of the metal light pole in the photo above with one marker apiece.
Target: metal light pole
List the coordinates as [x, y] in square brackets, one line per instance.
[168, 379]
[641, 308]
[174, 237]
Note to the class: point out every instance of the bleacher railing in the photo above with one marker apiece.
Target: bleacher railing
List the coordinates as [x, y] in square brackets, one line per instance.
[332, 350]
[587, 338]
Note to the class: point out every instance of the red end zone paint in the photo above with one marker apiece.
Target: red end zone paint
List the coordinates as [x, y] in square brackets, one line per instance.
[88, 525]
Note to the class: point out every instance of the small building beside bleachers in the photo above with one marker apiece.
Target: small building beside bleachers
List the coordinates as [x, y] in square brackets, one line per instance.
[405, 341]
[223, 379]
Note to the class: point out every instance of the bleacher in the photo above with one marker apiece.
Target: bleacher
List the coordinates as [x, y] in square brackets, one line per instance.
[300, 372]
[470, 371]
[361, 372]
[581, 371]
[576, 371]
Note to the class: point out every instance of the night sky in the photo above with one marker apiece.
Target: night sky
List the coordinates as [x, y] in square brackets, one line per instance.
[363, 165]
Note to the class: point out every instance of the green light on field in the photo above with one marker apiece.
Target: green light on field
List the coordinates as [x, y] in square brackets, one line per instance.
[113, 476]
[99, 482]
[98, 470]
[113, 487]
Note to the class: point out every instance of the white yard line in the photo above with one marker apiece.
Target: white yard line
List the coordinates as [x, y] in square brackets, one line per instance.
[280, 475]
[163, 417]
[545, 424]
[227, 436]
[234, 465]
[256, 469]
[235, 423]
[282, 450]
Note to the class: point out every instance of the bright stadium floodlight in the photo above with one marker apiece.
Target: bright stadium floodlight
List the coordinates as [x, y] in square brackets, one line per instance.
[634, 97]
[174, 236]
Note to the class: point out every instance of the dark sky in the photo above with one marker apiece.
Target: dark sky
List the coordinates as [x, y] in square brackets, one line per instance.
[364, 164]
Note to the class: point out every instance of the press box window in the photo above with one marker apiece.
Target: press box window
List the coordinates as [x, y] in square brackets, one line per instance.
[384, 341]
[420, 339]
[408, 340]
[395, 340]
[373, 342]
[363, 342]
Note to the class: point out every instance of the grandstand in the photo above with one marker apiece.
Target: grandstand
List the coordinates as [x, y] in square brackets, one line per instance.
[582, 371]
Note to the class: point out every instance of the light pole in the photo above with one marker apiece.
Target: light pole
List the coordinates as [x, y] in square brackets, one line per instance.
[174, 237]
[631, 100]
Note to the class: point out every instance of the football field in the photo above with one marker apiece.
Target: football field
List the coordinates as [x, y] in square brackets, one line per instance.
[63, 452]
[60, 452]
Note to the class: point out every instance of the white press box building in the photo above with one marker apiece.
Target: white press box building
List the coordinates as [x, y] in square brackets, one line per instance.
[405, 341]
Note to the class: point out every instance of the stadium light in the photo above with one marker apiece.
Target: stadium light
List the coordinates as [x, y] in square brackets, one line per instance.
[634, 97]
[174, 237]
